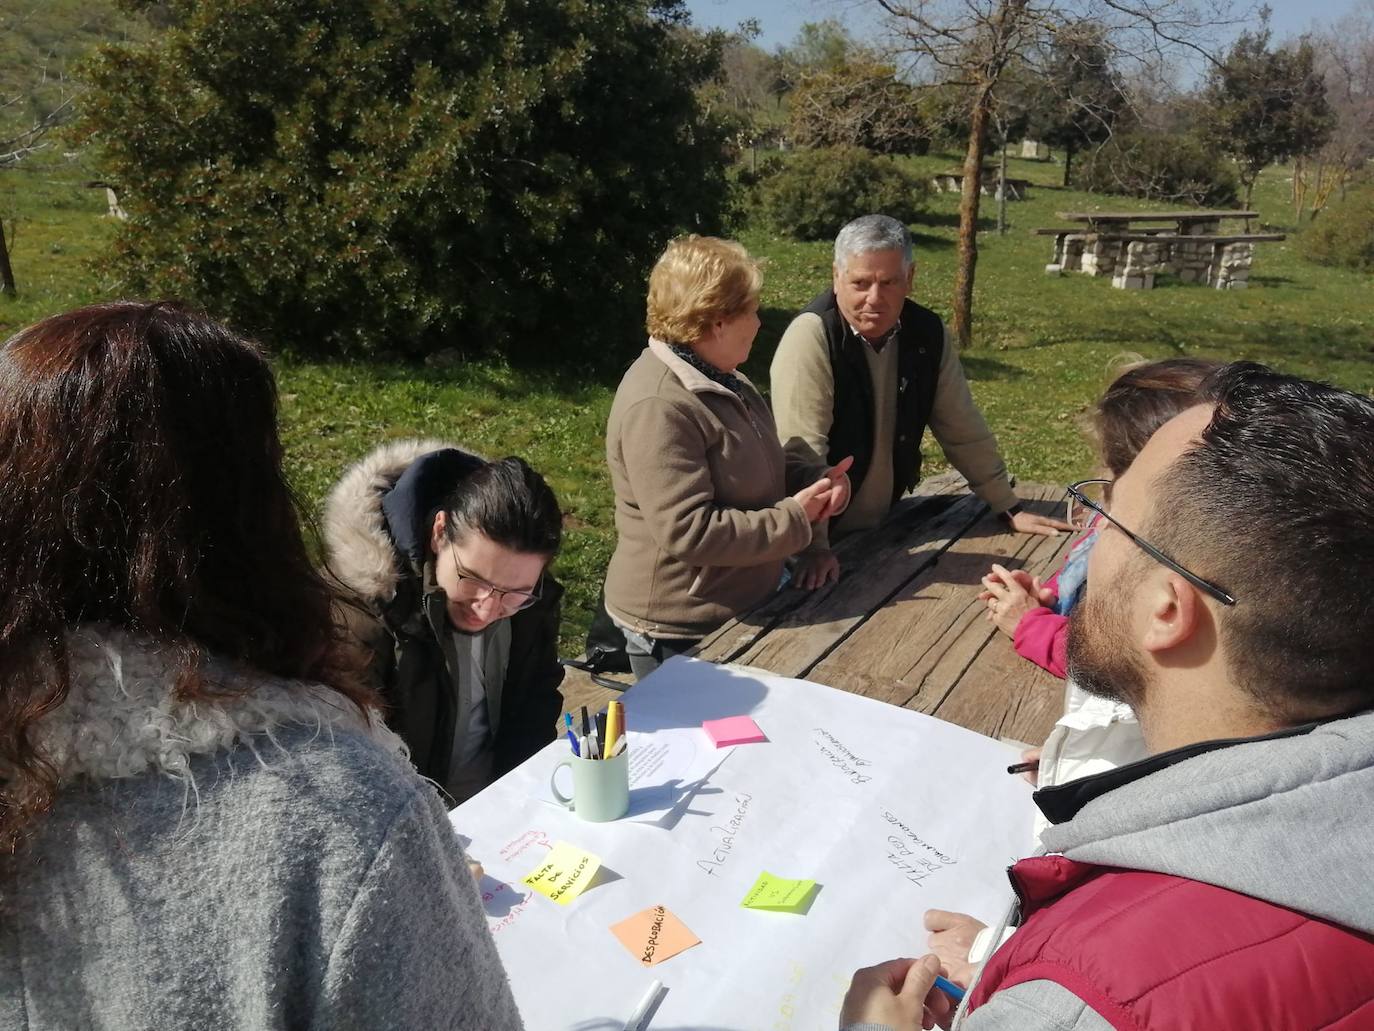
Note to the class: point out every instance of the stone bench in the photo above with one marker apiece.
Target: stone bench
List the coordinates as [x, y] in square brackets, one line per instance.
[1221, 262]
[953, 182]
[1134, 258]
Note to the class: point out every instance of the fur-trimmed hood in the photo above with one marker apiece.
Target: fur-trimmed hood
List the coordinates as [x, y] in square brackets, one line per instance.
[120, 718]
[361, 547]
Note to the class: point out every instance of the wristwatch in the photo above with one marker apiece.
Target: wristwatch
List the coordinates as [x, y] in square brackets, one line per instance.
[1007, 516]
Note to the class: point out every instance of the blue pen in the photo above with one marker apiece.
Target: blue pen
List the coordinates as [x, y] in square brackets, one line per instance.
[949, 988]
[572, 738]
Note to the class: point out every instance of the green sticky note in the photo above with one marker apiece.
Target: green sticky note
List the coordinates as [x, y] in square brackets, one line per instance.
[779, 895]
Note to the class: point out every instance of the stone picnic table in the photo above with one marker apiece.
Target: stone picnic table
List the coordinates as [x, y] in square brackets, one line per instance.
[904, 624]
[1127, 246]
[991, 185]
[1187, 221]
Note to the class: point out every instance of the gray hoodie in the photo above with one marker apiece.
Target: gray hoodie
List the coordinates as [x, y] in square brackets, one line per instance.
[267, 862]
[1285, 819]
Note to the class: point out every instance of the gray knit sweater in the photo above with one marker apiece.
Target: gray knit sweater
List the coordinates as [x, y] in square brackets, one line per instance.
[271, 863]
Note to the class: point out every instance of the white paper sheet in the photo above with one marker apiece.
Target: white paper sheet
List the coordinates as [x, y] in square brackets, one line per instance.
[890, 811]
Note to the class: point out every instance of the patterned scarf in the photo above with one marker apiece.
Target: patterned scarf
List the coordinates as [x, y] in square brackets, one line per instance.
[726, 379]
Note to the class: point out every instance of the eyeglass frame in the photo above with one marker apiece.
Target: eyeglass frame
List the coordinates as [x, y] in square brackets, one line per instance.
[501, 593]
[1206, 586]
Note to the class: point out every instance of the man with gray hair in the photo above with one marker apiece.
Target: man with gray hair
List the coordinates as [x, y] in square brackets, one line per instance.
[862, 371]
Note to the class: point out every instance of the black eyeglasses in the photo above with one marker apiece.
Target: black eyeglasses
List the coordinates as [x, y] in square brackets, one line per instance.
[474, 588]
[1078, 496]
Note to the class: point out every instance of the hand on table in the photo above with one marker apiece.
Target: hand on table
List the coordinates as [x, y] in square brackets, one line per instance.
[1029, 522]
[900, 993]
[951, 937]
[815, 569]
[1010, 595]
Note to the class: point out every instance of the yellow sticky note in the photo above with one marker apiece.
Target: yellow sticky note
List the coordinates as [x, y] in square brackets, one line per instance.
[565, 873]
[654, 935]
[778, 894]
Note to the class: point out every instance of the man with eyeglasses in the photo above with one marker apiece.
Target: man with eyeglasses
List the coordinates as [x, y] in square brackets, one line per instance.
[1223, 881]
[446, 556]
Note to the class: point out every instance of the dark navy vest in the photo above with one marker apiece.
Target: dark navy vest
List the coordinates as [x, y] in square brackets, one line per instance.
[920, 347]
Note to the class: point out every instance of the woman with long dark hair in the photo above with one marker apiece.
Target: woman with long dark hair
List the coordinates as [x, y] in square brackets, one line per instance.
[203, 820]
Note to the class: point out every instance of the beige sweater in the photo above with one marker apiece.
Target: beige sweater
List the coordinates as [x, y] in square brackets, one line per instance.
[703, 513]
[803, 395]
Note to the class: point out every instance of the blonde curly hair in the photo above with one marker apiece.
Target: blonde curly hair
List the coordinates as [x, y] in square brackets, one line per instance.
[697, 281]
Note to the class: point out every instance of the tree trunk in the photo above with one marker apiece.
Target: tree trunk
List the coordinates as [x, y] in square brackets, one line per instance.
[1002, 192]
[1249, 189]
[1068, 162]
[1299, 188]
[6, 273]
[968, 218]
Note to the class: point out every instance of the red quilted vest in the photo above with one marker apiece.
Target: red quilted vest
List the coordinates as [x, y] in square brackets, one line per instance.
[1149, 950]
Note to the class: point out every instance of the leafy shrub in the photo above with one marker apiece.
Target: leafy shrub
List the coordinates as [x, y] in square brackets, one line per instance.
[352, 177]
[818, 191]
[1159, 166]
[1343, 233]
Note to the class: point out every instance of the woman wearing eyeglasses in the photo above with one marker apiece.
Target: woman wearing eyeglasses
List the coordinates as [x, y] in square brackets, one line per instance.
[447, 555]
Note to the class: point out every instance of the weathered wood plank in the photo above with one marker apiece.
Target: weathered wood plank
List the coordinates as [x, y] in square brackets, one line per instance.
[1002, 695]
[917, 650]
[826, 617]
[578, 689]
[924, 516]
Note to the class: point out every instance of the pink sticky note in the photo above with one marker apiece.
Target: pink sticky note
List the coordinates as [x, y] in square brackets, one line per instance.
[733, 730]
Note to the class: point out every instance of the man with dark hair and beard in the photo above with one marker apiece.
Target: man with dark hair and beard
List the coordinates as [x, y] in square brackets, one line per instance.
[1224, 881]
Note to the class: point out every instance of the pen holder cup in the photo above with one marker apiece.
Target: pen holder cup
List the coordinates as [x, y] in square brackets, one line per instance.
[601, 787]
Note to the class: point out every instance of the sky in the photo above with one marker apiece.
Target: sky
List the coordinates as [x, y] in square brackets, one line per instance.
[780, 19]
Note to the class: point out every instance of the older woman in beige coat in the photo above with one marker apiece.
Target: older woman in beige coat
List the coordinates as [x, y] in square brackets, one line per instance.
[707, 506]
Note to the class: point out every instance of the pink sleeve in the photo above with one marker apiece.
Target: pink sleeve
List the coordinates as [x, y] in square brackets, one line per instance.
[1053, 582]
[1041, 637]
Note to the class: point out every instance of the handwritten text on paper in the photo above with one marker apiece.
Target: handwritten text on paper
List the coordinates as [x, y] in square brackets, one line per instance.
[565, 874]
[840, 757]
[653, 935]
[724, 836]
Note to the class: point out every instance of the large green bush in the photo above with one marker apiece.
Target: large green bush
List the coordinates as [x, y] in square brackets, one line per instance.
[818, 191]
[1172, 167]
[356, 176]
[1343, 233]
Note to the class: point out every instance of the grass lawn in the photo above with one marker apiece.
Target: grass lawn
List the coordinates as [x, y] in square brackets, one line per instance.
[1043, 346]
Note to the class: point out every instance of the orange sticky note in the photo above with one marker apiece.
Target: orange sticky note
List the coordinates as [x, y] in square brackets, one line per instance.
[654, 935]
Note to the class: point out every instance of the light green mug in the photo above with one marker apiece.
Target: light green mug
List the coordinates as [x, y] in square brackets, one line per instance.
[601, 787]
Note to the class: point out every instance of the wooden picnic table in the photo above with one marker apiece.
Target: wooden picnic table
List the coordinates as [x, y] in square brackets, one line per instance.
[904, 624]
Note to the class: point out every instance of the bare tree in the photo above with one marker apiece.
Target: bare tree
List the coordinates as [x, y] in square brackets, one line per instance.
[972, 43]
[40, 100]
[1345, 57]
[860, 103]
[15, 145]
